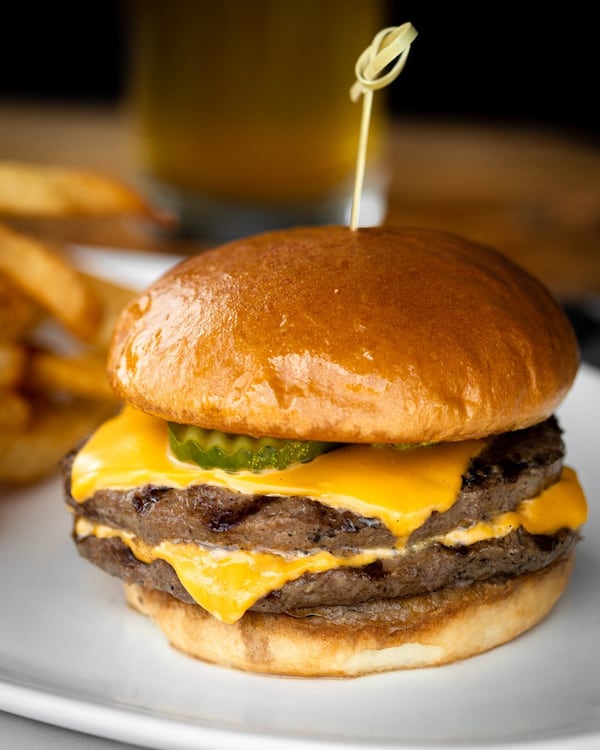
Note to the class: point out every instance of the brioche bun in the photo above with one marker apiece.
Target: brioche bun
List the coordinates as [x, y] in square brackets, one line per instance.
[421, 631]
[379, 335]
[290, 334]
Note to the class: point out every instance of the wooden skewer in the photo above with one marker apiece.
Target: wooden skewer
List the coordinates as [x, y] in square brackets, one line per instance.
[389, 44]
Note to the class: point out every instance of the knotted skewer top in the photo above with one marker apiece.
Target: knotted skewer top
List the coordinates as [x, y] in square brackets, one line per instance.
[389, 44]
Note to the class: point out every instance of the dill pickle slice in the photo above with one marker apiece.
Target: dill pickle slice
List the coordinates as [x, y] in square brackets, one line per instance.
[402, 446]
[212, 449]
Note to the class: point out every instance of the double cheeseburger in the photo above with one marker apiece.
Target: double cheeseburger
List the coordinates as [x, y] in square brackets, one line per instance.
[337, 453]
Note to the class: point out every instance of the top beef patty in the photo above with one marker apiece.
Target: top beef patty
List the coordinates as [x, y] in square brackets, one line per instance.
[514, 466]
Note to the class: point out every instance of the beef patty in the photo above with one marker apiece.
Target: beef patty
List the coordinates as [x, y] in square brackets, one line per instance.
[513, 467]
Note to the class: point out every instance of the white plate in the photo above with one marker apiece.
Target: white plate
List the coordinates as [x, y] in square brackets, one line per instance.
[72, 654]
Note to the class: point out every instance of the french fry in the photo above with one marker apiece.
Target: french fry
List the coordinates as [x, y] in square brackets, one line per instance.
[15, 410]
[113, 299]
[49, 191]
[17, 312]
[51, 282]
[13, 358]
[50, 401]
[55, 430]
[84, 375]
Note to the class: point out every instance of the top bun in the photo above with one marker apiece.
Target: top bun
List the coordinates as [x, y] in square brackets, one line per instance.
[325, 333]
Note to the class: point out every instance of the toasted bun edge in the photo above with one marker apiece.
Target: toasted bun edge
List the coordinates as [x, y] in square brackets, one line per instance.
[323, 333]
[425, 631]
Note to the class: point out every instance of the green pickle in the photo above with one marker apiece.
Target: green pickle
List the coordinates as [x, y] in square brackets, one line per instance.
[212, 449]
[402, 446]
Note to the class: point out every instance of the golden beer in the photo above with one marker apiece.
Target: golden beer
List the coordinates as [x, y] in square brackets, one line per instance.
[246, 101]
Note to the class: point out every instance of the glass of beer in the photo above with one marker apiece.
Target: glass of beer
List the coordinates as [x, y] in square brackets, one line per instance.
[241, 114]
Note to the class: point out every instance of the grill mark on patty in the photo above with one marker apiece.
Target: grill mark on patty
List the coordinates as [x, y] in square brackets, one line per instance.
[416, 572]
[513, 467]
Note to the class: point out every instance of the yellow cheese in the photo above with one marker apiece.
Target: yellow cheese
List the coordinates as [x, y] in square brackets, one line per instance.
[561, 506]
[227, 582]
[401, 488]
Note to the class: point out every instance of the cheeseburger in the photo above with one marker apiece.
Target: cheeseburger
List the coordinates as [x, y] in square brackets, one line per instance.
[337, 453]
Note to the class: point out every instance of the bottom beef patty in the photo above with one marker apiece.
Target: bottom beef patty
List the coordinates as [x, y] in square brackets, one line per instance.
[513, 467]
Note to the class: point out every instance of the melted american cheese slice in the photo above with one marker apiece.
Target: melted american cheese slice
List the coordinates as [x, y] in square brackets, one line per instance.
[227, 582]
[400, 488]
[561, 506]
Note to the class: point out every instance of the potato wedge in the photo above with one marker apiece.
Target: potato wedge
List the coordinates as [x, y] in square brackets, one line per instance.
[51, 191]
[83, 375]
[15, 411]
[50, 282]
[55, 321]
[55, 430]
[113, 299]
[13, 359]
[18, 313]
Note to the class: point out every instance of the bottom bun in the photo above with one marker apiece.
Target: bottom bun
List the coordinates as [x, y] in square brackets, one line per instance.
[421, 631]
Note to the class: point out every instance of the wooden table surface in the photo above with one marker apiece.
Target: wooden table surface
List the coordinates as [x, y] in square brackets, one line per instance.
[535, 195]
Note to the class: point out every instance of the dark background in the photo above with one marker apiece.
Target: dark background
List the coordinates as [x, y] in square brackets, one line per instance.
[525, 64]
[518, 63]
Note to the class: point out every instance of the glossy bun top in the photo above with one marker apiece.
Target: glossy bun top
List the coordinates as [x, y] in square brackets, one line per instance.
[373, 335]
